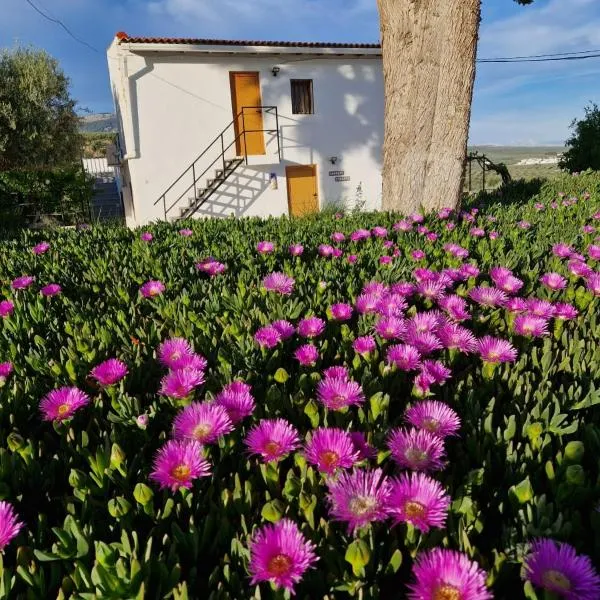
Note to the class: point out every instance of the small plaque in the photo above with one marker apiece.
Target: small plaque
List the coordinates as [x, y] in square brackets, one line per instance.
[346, 178]
[334, 173]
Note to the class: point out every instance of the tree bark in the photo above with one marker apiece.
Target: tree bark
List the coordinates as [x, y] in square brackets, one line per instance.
[429, 49]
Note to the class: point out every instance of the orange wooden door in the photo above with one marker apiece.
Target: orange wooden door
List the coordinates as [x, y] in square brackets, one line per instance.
[302, 190]
[245, 92]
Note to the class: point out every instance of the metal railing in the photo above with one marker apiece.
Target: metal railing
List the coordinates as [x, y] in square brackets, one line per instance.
[191, 170]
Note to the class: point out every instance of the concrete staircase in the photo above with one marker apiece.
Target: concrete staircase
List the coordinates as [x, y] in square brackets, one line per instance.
[106, 203]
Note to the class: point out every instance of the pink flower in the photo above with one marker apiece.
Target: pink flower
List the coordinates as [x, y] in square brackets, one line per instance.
[404, 357]
[438, 372]
[593, 283]
[307, 355]
[433, 416]
[272, 439]
[540, 308]
[516, 305]
[494, 350]
[425, 342]
[564, 311]
[181, 383]
[416, 217]
[265, 247]
[337, 237]
[146, 236]
[468, 270]
[296, 249]
[204, 422]
[359, 235]
[391, 305]
[390, 328]
[152, 288]
[418, 499]
[417, 449]
[562, 250]
[6, 308]
[425, 322]
[62, 403]
[330, 449]
[285, 328]
[211, 267]
[52, 289]
[588, 229]
[594, 252]
[109, 372]
[364, 345]
[455, 336]
[579, 268]
[367, 303]
[380, 232]
[178, 463]
[267, 337]
[455, 307]
[186, 232]
[336, 372]
[341, 311]
[279, 553]
[488, 296]
[352, 258]
[279, 282]
[359, 497]
[402, 226]
[477, 232]
[177, 353]
[337, 393]
[531, 326]
[236, 398]
[23, 282]
[325, 250]
[493, 235]
[6, 369]
[509, 284]
[553, 281]
[9, 524]
[41, 248]
[364, 449]
[311, 327]
[417, 255]
[524, 224]
[385, 260]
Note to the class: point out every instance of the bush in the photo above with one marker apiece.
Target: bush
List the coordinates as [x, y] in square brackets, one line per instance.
[584, 144]
[523, 465]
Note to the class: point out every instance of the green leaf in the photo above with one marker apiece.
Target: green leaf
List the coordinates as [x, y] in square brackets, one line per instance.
[273, 511]
[358, 555]
[281, 375]
[522, 492]
[574, 451]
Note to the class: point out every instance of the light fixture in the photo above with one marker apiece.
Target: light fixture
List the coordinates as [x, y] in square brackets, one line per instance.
[333, 159]
[275, 71]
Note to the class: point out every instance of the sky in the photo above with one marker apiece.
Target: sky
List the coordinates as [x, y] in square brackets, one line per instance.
[513, 104]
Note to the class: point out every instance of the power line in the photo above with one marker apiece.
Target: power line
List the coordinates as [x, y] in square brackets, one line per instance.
[61, 24]
[542, 55]
[525, 60]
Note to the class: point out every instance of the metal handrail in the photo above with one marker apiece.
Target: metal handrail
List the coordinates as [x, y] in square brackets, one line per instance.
[221, 156]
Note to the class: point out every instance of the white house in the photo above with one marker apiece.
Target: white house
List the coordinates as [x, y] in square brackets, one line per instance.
[221, 127]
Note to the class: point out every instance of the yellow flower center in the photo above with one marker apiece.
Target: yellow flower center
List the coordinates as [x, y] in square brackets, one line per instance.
[555, 579]
[181, 472]
[431, 424]
[361, 505]
[414, 510]
[338, 401]
[63, 409]
[329, 458]
[272, 447]
[279, 565]
[202, 431]
[446, 591]
[416, 456]
[493, 356]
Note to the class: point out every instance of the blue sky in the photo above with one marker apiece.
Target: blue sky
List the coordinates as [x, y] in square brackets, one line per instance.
[531, 103]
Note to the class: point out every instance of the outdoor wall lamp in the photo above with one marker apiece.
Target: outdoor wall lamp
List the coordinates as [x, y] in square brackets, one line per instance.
[333, 159]
[275, 71]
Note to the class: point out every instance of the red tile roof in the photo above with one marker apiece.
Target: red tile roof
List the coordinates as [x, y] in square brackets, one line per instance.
[124, 37]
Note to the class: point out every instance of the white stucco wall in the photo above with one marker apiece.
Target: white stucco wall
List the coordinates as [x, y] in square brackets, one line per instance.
[171, 106]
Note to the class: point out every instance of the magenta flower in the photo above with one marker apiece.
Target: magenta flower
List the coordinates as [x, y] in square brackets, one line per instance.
[152, 288]
[425, 322]
[186, 232]
[509, 284]
[109, 372]
[416, 218]
[267, 337]
[236, 398]
[337, 393]
[41, 248]
[359, 235]
[579, 268]
[540, 308]
[403, 225]
[553, 281]
[337, 237]
[9, 524]
[594, 252]
[325, 250]
[359, 497]
[341, 311]
[497, 274]
[433, 416]
[455, 307]
[6, 308]
[442, 574]
[593, 283]
[488, 296]
[177, 353]
[450, 225]
[588, 229]
[52, 289]
[307, 355]
[438, 372]
[272, 439]
[404, 357]
[469, 270]
[336, 372]
[417, 255]
[204, 422]
[311, 327]
[444, 213]
[6, 369]
[23, 282]
[178, 463]
[524, 224]
[367, 303]
[279, 553]
[265, 247]
[285, 328]
[352, 258]
[181, 383]
[477, 232]
[211, 267]
[423, 341]
[418, 499]
[390, 328]
[331, 449]
[531, 326]
[364, 449]
[453, 335]
[556, 567]
[495, 350]
[430, 289]
[403, 288]
[296, 249]
[391, 305]
[564, 311]
[364, 345]
[146, 236]
[516, 305]
[62, 403]
[279, 282]
[562, 250]
[379, 232]
[385, 260]
[493, 235]
[142, 421]
[417, 449]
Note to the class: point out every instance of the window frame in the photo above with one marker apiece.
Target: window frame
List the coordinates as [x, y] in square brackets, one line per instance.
[311, 95]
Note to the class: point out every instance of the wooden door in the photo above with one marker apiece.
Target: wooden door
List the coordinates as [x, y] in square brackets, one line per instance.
[245, 92]
[302, 190]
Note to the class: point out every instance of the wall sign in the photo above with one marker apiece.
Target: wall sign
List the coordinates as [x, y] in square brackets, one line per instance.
[333, 173]
[346, 178]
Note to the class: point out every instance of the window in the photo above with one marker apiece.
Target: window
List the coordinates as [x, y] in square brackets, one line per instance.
[302, 97]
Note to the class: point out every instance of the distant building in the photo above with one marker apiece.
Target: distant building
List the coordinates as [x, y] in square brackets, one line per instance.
[220, 127]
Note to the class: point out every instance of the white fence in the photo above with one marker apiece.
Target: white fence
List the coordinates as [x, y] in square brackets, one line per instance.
[99, 167]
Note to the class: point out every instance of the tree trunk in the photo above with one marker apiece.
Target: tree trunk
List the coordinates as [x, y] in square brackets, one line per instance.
[429, 49]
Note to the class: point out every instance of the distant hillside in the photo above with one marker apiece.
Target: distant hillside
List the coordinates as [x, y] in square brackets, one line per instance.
[100, 123]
